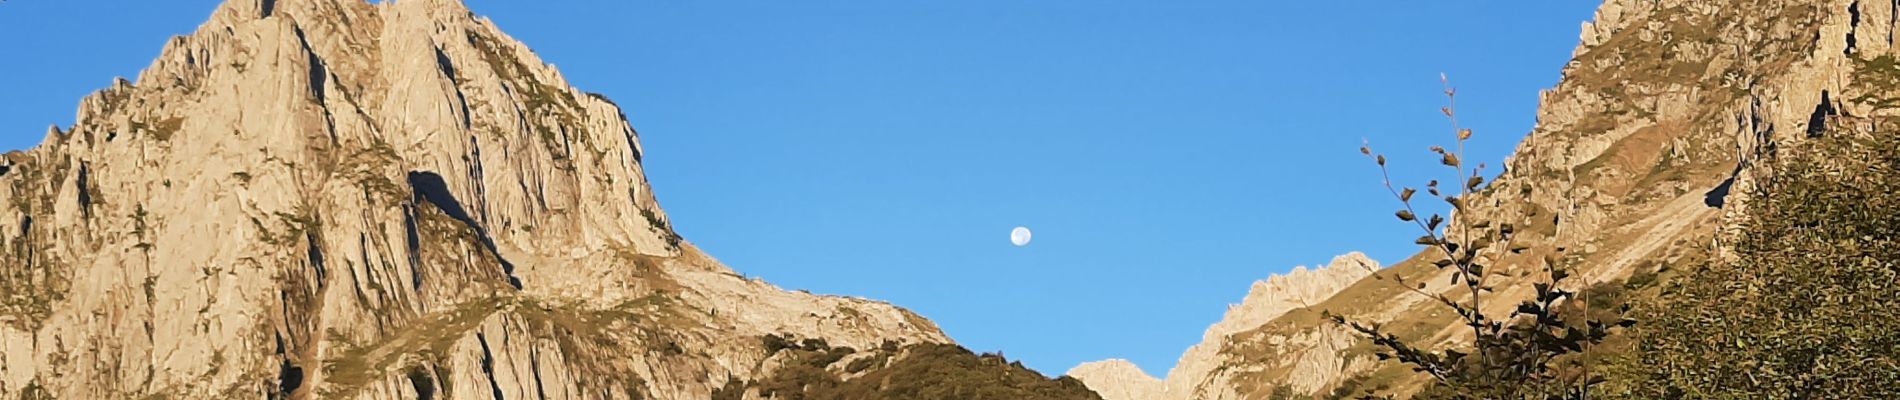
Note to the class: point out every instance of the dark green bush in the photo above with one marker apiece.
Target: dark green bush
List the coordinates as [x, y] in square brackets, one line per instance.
[1807, 306]
[773, 343]
[918, 372]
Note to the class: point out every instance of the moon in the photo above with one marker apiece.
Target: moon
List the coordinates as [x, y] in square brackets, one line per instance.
[1019, 236]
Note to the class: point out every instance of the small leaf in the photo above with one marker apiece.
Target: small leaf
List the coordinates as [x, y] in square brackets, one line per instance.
[1426, 240]
[1464, 134]
[1451, 160]
[1406, 195]
[1365, 150]
[1474, 182]
[1381, 159]
[1406, 216]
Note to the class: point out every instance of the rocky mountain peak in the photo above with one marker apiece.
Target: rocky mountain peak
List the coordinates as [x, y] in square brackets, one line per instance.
[1267, 299]
[333, 198]
[1118, 379]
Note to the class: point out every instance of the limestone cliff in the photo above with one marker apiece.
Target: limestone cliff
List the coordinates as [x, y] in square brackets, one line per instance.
[338, 199]
[1641, 157]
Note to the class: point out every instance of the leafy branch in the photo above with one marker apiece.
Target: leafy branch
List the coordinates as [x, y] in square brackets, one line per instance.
[1509, 357]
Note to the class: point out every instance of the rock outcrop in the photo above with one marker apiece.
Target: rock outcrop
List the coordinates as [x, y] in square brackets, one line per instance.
[1118, 379]
[1642, 156]
[338, 199]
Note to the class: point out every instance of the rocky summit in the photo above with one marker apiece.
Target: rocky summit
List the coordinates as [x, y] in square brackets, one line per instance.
[337, 199]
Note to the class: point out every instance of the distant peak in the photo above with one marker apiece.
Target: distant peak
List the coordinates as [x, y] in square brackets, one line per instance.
[1118, 379]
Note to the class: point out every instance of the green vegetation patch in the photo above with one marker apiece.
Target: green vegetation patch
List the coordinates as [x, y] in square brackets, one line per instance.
[928, 371]
[1808, 307]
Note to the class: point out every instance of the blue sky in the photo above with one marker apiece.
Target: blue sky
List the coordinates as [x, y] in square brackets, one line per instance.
[1167, 154]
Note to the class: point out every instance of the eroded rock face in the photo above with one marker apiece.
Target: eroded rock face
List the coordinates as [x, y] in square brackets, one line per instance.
[1643, 156]
[335, 199]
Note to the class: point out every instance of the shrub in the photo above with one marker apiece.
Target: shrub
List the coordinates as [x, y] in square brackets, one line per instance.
[773, 343]
[1806, 307]
[1513, 357]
